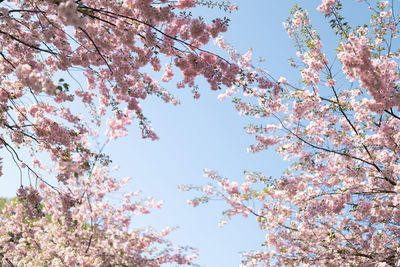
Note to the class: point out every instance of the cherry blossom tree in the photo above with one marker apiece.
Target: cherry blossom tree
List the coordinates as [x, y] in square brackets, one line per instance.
[51, 114]
[338, 202]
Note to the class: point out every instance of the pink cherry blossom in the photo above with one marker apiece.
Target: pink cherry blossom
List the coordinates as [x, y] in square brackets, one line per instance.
[338, 202]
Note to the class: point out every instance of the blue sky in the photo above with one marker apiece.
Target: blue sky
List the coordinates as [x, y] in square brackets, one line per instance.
[204, 133]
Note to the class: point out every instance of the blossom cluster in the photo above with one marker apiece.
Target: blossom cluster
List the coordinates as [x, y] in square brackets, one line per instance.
[35, 80]
[68, 14]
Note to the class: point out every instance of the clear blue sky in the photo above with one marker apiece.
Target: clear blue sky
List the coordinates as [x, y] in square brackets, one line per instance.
[202, 134]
